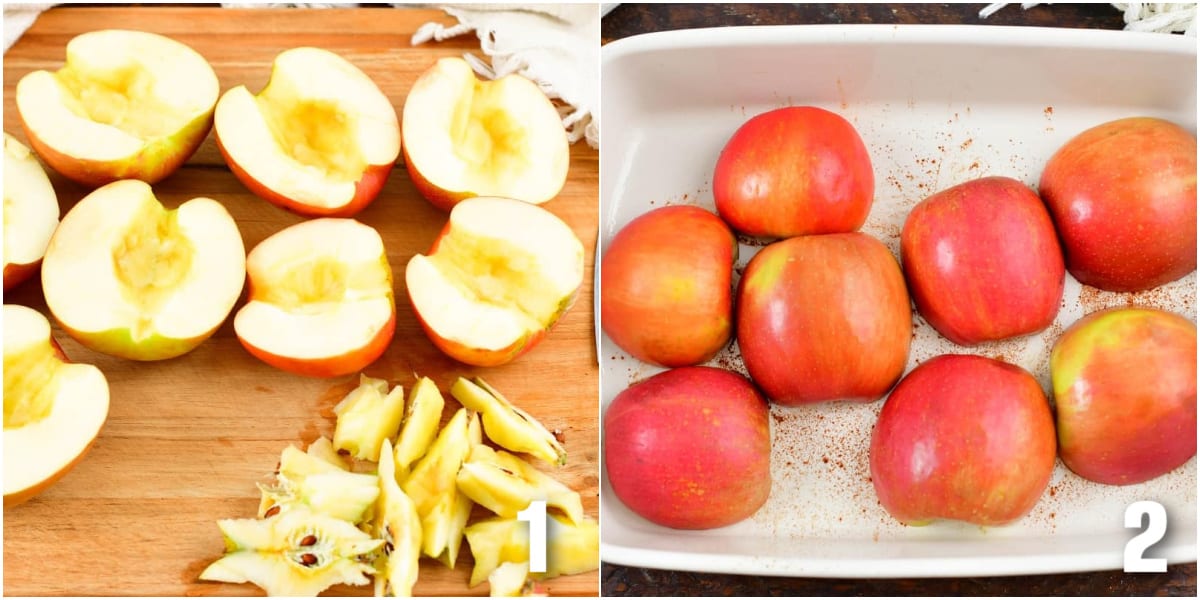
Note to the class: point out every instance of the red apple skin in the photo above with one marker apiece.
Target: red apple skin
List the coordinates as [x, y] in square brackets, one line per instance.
[153, 164]
[794, 171]
[15, 275]
[1125, 391]
[824, 317]
[983, 262]
[666, 286]
[965, 438]
[1123, 199]
[365, 190]
[689, 448]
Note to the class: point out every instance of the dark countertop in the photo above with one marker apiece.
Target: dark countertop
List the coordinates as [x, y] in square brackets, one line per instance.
[619, 580]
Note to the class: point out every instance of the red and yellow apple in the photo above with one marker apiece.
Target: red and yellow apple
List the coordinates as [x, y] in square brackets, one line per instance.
[497, 278]
[126, 105]
[320, 139]
[1124, 384]
[127, 276]
[964, 438]
[824, 317]
[666, 286]
[30, 212]
[465, 137]
[320, 298]
[982, 261]
[799, 170]
[689, 448]
[1123, 199]
[53, 408]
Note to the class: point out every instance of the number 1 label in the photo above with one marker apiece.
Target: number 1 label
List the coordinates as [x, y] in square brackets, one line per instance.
[535, 515]
[1156, 528]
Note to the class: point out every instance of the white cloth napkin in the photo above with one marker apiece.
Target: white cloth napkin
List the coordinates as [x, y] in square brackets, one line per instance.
[18, 18]
[555, 45]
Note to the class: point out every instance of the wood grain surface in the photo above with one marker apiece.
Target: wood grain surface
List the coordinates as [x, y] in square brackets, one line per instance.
[186, 439]
[619, 580]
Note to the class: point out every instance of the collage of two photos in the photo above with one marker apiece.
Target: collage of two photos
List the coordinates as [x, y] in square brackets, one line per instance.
[349, 299]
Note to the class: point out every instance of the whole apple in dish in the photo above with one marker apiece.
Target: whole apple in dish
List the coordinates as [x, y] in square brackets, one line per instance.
[799, 170]
[965, 438]
[689, 448]
[1125, 391]
[982, 261]
[1123, 198]
[666, 286]
[824, 317]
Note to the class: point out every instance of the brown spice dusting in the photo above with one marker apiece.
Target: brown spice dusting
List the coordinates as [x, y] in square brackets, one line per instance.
[1049, 110]
[1053, 491]
[966, 144]
[825, 459]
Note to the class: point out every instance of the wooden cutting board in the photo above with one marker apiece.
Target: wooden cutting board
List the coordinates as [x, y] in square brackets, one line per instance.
[186, 439]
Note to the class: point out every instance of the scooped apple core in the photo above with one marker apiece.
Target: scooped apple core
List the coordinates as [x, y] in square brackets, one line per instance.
[30, 383]
[127, 276]
[150, 260]
[488, 281]
[118, 93]
[470, 137]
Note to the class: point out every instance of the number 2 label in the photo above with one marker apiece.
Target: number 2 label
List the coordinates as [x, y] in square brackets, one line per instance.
[1156, 528]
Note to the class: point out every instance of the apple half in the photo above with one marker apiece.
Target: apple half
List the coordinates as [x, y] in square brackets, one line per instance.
[321, 301]
[465, 137]
[497, 278]
[319, 139]
[30, 212]
[53, 409]
[129, 277]
[127, 105]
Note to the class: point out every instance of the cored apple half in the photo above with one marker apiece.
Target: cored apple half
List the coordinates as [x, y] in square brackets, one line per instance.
[129, 277]
[127, 105]
[464, 137]
[321, 301]
[53, 408]
[30, 212]
[497, 278]
[319, 139]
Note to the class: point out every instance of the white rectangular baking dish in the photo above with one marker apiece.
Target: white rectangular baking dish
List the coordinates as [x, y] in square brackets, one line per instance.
[936, 105]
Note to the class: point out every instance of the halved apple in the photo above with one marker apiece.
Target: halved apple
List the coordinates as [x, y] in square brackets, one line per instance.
[127, 105]
[465, 137]
[498, 277]
[319, 139]
[53, 409]
[30, 212]
[321, 301]
[129, 277]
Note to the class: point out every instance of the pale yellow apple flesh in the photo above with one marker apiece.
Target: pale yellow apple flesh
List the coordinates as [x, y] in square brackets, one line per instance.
[484, 138]
[313, 131]
[119, 92]
[52, 409]
[502, 269]
[320, 289]
[30, 208]
[126, 276]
